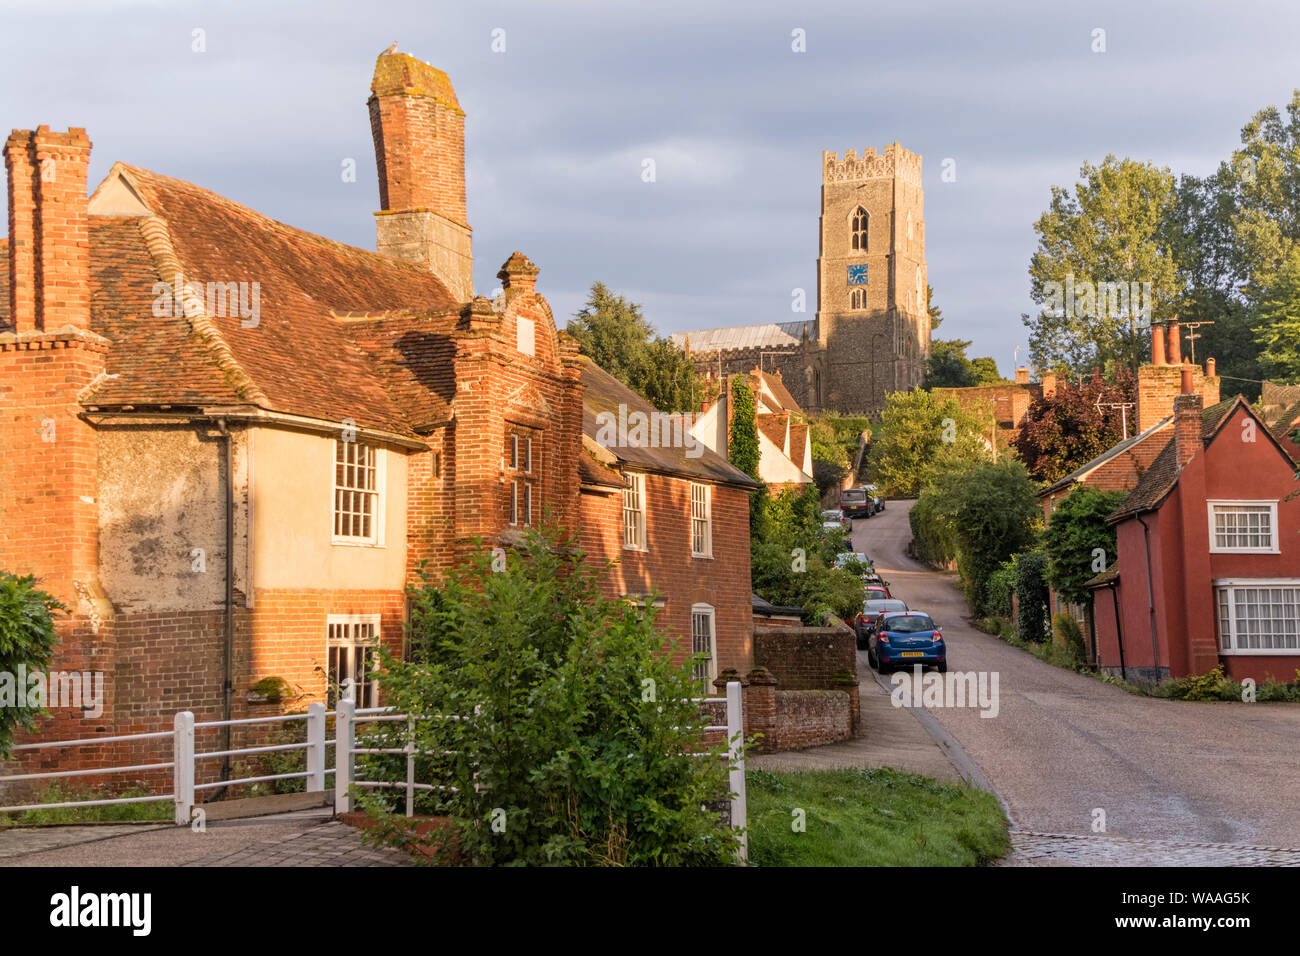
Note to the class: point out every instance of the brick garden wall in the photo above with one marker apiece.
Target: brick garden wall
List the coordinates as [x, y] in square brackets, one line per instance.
[805, 658]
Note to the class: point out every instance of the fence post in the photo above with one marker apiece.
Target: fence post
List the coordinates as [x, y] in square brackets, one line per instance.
[316, 747]
[410, 766]
[343, 756]
[183, 766]
[735, 741]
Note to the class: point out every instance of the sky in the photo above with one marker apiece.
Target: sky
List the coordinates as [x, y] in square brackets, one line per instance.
[560, 121]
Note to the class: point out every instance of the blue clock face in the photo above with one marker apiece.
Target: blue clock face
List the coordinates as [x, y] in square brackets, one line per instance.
[858, 274]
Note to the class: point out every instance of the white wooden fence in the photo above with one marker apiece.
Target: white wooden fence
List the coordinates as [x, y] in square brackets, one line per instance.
[185, 758]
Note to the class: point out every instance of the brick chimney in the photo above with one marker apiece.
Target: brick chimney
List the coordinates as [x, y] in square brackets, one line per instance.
[1022, 376]
[419, 133]
[1049, 385]
[1188, 428]
[49, 230]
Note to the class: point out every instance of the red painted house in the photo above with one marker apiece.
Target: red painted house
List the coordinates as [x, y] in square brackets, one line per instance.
[1208, 566]
[229, 444]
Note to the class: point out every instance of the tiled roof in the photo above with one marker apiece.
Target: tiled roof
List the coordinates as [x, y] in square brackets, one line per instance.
[782, 395]
[299, 358]
[1109, 576]
[1160, 478]
[1286, 422]
[773, 425]
[798, 440]
[1111, 452]
[604, 394]
[769, 335]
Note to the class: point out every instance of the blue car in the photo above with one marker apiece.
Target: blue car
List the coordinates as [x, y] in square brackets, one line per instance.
[905, 639]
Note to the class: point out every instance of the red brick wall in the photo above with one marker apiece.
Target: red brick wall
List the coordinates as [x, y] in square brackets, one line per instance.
[809, 718]
[805, 658]
[420, 152]
[668, 568]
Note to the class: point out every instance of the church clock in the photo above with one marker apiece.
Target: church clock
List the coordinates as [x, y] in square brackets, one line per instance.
[857, 273]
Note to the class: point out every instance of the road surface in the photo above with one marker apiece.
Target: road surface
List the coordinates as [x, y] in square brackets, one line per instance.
[1064, 745]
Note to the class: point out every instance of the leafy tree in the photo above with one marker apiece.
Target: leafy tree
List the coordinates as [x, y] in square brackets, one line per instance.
[835, 439]
[26, 639]
[1279, 316]
[1113, 228]
[579, 734]
[920, 438]
[935, 313]
[792, 564]
[1068, 430]
[1031, 596]
[742, 441]
[948, 366]
[612, 332]
[1076, 530]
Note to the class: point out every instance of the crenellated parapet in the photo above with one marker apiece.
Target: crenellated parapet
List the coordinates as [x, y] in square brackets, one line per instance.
[892, 162]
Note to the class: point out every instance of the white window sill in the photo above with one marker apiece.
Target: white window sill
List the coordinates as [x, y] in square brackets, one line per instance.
[1214, 550]
[705, 557]
[1261, 652]
[355, 543]
[628, 547]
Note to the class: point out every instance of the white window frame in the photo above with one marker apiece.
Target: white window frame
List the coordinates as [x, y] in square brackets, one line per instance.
[1225, 612]
[379, 498]
[707, 552]
[635, 514]
[1271, 504]
[369, 692]
[710, 673]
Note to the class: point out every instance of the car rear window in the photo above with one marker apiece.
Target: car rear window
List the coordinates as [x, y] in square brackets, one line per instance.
[877, 605]
[853, 497]
[909, 623]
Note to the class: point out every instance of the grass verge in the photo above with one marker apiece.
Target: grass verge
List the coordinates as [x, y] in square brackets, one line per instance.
[872, 817]
[161, 810]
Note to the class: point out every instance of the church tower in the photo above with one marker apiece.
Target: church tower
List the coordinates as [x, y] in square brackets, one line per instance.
[873, 328]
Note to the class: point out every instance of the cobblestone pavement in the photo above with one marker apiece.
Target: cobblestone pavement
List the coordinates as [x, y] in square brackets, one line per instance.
[330, 844]
[1064, 849]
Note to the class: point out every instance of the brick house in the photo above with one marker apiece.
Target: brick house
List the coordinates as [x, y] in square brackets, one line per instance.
[675, 518]
[1008, 402]
[230, 444]
[1208, 564]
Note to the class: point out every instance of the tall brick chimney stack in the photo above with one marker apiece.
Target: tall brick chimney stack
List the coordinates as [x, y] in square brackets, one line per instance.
[1188, 428]
[49, 230]
[419, 133]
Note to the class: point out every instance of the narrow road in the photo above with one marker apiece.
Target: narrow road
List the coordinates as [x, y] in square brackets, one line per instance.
[1065, 745]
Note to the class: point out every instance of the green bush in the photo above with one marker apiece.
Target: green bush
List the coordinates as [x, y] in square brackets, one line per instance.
[999, 589]
[579, 744]
[1031, 596]
[26, 639]
[1066, 633]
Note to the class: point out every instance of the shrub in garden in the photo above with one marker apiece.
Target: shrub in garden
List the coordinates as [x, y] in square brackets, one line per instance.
[573, 747]
[26, 638]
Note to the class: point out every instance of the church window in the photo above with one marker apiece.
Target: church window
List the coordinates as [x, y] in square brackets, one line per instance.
[860, 221]
[858, 299]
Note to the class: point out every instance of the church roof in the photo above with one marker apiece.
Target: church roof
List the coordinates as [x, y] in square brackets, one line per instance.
[768, 335]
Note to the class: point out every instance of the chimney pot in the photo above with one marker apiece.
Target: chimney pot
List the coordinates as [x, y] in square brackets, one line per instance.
[1174, 348]
[1157, 345]
[1185, 386]
[1209, 368]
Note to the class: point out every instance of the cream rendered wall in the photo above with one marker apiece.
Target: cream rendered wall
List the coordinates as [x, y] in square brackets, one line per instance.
[773, 465]
[710, 428]
[292, 491]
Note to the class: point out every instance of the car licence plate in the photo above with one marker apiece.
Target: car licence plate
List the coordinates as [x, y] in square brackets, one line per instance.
[911, 654]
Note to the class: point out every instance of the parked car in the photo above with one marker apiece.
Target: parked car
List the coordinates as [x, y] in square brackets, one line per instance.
[877, 501]
[842, 559]
[857, 503]
[872, 576]
[872, 612]
[835, 519]
[875, 592]
[906, 639]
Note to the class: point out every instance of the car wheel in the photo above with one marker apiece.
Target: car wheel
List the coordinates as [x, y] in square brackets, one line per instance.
[942, 668]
